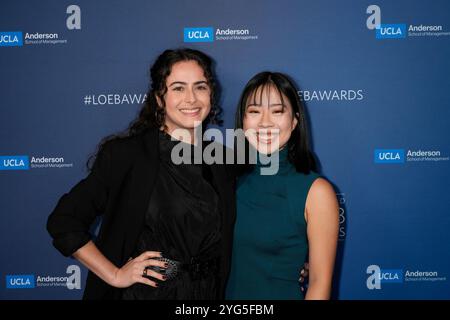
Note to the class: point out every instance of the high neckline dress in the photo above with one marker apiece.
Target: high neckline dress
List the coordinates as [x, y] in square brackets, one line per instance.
[270, 242]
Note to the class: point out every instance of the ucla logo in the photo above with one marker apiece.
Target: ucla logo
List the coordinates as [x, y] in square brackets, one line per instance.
[199, 34]
[383, 31]
[20, 281]
[391, 276]
[14, 163]
[377, 276]
[11, 39]
[391, 31]
[389, 156]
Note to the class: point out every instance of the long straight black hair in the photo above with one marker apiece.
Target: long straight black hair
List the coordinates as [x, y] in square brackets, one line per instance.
[299, 150]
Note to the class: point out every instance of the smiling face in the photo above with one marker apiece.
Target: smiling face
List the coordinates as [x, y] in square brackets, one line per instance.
[268, 119]
[188, 97]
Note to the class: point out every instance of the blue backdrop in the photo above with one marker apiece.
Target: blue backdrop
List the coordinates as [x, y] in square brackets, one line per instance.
[375, 77]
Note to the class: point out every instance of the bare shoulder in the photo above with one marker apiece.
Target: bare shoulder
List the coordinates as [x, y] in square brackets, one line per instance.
[321, 188]
[321, 198]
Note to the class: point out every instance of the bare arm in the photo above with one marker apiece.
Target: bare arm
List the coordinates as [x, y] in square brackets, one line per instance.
[322, 216]
[90, 256]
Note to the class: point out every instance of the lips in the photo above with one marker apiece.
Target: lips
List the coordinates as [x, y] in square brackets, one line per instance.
[266, 137]
[190, 112]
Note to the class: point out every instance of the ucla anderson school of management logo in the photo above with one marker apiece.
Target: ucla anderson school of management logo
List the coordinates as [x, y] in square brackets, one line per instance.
[399, 30]
[378, 276]
[210, 34]
[71, 280]
[401, 156]
[21, 38]
[25, 162]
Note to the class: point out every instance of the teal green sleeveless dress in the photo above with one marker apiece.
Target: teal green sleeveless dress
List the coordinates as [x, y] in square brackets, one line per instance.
[270, 242]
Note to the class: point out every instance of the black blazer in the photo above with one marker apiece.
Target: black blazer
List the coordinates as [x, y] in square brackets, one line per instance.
[119, 187]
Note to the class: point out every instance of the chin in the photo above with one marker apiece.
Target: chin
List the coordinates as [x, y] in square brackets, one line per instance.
[268, 150]
[263, 149]
[190, 124]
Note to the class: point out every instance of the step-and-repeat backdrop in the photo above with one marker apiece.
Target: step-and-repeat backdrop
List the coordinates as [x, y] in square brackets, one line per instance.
[375, 78]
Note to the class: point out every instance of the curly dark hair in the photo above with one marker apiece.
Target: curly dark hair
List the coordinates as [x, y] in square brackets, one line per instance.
[152, 115]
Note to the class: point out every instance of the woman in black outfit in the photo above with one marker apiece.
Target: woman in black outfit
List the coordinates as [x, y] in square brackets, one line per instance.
[166, 229]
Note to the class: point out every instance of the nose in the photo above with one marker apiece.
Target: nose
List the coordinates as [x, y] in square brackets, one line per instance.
[189, 96]
[265, 120]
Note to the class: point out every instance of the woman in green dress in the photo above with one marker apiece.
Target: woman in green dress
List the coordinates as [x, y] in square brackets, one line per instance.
[285, 217]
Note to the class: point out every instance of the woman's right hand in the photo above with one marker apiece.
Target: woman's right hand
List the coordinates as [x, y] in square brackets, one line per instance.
[304, 274]
[133, 271]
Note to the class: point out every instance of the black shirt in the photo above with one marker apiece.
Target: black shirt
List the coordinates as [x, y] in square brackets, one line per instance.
[183, 222]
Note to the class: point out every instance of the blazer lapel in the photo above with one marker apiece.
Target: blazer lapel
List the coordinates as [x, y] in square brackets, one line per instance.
[143, 181]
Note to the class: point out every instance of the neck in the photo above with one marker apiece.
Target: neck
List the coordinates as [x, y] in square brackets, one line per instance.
[184, 135]
[280, 156]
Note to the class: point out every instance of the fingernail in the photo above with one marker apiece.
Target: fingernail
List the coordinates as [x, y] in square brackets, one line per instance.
[164, 277]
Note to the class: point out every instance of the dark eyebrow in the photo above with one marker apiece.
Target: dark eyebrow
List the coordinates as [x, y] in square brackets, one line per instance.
[177, 82]
[184, 83]
[271, 105]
